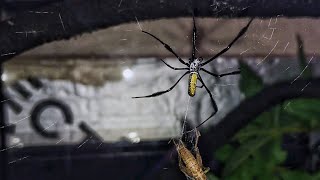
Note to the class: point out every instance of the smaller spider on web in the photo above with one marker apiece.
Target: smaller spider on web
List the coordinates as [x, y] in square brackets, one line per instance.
[195, 66]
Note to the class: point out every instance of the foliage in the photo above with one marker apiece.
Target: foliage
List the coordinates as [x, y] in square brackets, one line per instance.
[258, 154]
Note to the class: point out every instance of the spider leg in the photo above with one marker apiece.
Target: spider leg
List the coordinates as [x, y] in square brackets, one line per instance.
[215, 107]
[167, 47]
[212, 74]
[200, 86]
[163, 92]
[174, 68]
[194, 37]
[220, 75]
[230, 73]
[241, 33]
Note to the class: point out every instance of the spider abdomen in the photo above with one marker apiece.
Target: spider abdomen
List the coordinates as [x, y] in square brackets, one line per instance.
[192, 84]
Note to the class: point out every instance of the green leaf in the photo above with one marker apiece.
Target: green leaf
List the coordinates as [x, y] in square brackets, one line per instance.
[269, 157]
[243, 153]
[295, 175]
[252, 168]
[307, 73]
[277, 153]
[289, 119]
[277, 115]
[223, 153]
[211, 176]
[306, 110]
[305, 103]
[250, 82]
[316, 176]
[261, 126]
[260, 165]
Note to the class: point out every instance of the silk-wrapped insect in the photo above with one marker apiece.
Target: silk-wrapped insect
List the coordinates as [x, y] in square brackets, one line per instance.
[189, 164]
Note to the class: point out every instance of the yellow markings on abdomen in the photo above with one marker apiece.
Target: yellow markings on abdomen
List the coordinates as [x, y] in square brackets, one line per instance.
[193, 77]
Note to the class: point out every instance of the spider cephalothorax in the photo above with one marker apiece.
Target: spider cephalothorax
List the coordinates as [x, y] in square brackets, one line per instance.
[194, 66]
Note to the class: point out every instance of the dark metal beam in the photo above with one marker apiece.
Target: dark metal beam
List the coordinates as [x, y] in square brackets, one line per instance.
[3, 133]
[65, 19]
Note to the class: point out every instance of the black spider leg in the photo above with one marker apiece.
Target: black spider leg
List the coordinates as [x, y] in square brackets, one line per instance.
[215, 107]
[168, 48]
[220, 75]
[230, 73]
[212, 74]
[241, 33]
[174, 68]
[165, 91]
[194, 37]
[199, 86]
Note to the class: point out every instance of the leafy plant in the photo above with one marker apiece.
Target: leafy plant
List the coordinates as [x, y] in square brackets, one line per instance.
[258, 154]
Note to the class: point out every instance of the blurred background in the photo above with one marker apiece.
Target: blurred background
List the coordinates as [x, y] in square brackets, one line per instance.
[67, 111]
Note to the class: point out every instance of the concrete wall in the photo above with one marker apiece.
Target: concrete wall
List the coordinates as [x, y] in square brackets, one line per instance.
[109, 109]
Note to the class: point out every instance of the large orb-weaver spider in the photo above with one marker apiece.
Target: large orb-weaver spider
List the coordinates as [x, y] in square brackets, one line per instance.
[194, 66]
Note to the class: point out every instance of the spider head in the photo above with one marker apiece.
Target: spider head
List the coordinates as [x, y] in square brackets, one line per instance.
[195, 59]
[195, 64]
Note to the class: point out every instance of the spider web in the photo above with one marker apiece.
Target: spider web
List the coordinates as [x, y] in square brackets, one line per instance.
[267, 34]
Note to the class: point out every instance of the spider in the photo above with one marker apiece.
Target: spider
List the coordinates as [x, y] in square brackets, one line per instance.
[194, 66]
